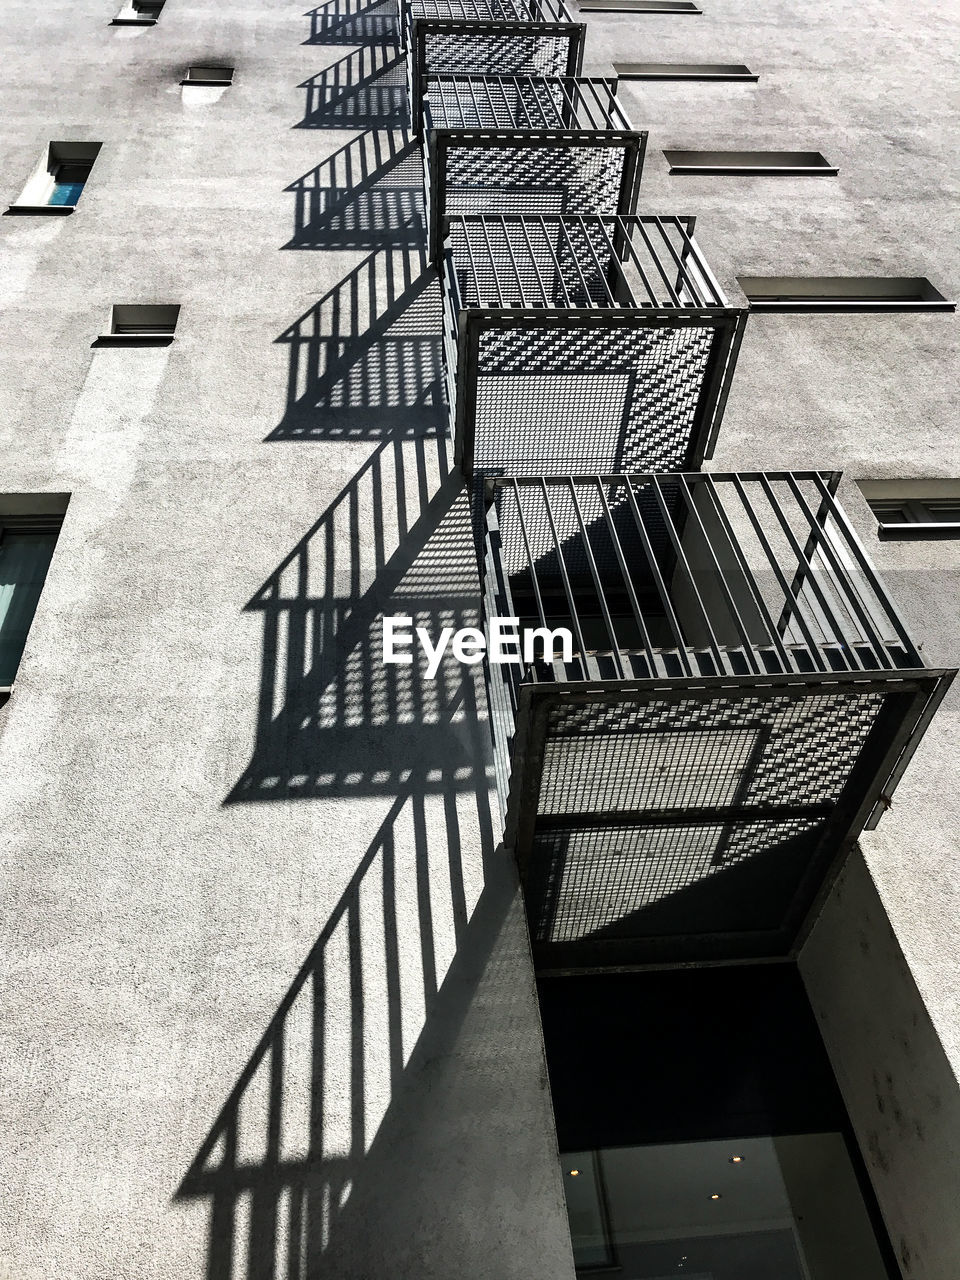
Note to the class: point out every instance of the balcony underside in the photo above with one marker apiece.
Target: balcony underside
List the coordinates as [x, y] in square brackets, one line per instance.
[689, 824]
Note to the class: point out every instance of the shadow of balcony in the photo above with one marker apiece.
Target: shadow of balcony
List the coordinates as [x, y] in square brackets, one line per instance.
[333, 718]
[346, 22]
[339, 1152]
[367, 194]
[366, 361]
[364, 90]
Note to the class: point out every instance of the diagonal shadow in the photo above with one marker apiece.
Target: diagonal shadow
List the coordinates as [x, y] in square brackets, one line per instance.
[366, 361]
[331, 1126]
[348, 22]
[364, 90]
[333, 718]
[367, 194]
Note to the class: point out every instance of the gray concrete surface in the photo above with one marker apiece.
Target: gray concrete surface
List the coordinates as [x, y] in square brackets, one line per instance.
[267, 1005]
[267, 1008]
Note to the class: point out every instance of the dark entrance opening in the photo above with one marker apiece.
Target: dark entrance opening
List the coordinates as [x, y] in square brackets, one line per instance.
[701, 1130]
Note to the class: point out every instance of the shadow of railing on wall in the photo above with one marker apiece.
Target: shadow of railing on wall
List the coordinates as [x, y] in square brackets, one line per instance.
[346, 22]
[367, 194]
[365, 89]
[366, 360]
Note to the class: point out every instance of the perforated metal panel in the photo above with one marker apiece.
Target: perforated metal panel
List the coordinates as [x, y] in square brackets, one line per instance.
[590, 343]
[557, 400]
[512, 144]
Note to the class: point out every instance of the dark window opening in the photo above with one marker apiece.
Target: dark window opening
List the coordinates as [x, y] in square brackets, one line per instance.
[26, 549]
[129, 319]
[701, 1131]
[638, 6]
[684, 71]
[208, 75]
[758, 163]
[843, 293]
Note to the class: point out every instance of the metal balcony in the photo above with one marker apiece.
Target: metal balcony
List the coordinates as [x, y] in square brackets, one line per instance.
[526, 144]
[495, 37]
[596, 344]
[740, 702]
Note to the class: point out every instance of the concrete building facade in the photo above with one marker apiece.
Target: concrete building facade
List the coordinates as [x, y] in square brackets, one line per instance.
[269, 1008]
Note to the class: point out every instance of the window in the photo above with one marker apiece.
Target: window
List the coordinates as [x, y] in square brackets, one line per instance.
[139, 324]
[750, 162]
[914, 509]
[683, 71]
[55, 186]
[26, 549]
[142, 13]
[843, 293]
[219, 76]
[638, 6]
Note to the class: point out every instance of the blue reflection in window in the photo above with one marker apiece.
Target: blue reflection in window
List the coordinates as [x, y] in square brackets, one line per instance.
[68, 183]
[65, 193]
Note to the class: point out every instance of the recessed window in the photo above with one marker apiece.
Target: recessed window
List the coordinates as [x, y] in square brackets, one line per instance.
[136, 324]
[57, 183]
[143, 13]
[843, 293]
[750, 162]
[638, 6]
[26, 549]
[913, 510]
[683, 71]
[219, 76]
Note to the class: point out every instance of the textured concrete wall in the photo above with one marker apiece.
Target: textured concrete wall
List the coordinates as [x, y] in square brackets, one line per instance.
[267, 1004]
[267, 1009]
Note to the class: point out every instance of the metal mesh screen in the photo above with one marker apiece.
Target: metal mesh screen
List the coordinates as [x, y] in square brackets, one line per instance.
[591, 399]
[513, 53]
[696, 754]
[636, 882]
[575, 179]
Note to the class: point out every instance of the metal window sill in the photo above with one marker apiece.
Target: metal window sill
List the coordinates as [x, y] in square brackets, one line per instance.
[698, 72]
[638, 6]
[829, 305]
[756, 163]
[133, 340]
[132, 22]
[940, 531]
[43, 210]
[208, 84]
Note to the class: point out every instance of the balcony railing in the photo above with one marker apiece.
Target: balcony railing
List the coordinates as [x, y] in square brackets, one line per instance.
[584, 343]
[739, 702]
[495, 37]
[525, 144]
